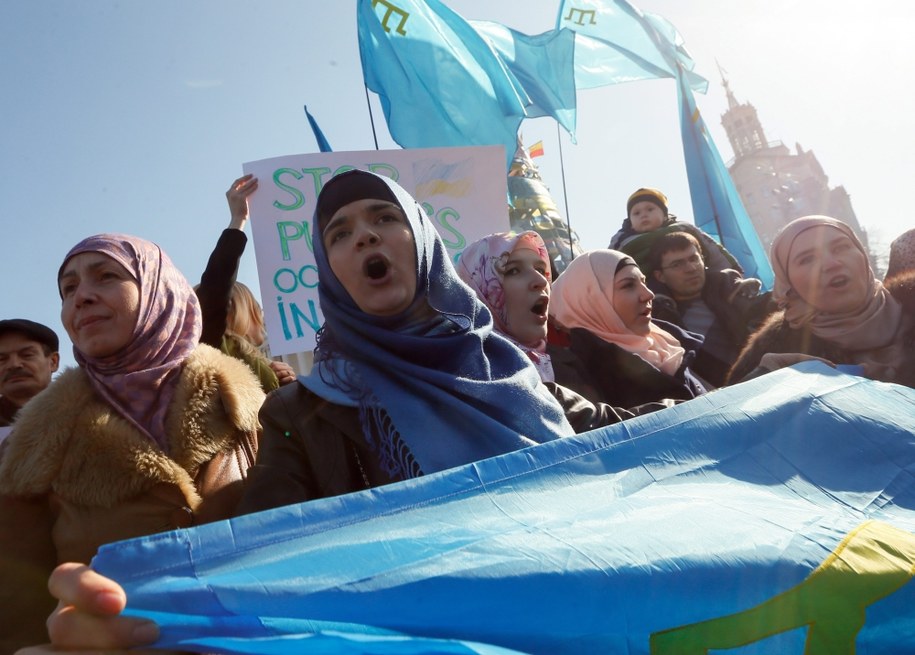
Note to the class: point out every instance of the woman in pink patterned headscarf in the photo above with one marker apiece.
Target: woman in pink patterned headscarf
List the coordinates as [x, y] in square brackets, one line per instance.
[151, 432]
[511, 275]
[133, 336]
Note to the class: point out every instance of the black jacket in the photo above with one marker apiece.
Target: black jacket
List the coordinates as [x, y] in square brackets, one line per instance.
[311, 448]
[603, 372]
[737, 319]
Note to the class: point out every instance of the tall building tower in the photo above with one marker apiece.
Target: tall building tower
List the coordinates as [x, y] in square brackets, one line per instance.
[775, 184]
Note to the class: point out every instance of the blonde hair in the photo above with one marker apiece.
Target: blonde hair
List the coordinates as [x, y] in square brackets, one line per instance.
[245, 315]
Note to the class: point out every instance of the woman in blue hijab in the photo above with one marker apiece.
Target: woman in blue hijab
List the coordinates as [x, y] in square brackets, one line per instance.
[409, 376]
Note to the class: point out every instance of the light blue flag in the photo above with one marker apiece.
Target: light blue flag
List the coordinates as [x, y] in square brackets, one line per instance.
[542, 64]
[618, 43]
[442, 83]
[717, 208]
[439, 82]
[776, 516]
[323, 145]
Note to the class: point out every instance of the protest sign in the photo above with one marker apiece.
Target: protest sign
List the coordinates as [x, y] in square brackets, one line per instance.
[463, 190]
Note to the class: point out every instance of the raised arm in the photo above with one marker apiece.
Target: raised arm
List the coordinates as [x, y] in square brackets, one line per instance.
[215, 287]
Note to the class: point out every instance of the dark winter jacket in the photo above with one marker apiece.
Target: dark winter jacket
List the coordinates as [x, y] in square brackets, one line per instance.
[311, 448]
[604, 372]
[7, 412]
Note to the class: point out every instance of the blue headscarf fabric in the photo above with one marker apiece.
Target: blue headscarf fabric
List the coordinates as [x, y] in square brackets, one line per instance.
[446, 387]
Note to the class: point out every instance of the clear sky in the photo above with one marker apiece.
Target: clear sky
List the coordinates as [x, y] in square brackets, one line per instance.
[129, 116]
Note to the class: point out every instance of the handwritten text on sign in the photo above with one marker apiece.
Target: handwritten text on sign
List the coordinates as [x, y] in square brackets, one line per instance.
[463, 191]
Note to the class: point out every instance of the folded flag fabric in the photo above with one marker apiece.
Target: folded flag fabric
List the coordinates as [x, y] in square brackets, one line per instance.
[321, 140]
[776, 516]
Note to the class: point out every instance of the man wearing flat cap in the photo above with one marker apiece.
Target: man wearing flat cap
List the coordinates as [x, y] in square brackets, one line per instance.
[28, 359]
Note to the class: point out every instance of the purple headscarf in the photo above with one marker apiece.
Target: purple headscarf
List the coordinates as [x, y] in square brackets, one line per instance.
[139, 381]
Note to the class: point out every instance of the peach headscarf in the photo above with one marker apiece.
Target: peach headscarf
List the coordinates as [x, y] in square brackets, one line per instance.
[582, 297]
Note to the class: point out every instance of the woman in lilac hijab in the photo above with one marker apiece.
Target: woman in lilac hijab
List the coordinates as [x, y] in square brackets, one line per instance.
[832, 307]
[150, 432]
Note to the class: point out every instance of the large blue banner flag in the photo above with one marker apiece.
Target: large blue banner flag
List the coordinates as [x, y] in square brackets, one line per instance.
[775, 516]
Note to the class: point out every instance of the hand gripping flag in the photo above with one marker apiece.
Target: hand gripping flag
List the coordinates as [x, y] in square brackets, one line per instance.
[775, 516]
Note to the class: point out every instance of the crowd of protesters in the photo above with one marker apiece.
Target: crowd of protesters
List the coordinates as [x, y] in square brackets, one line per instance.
[164, 422]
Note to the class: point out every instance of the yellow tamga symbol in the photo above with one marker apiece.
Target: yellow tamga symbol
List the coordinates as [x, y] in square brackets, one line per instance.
[871, 563]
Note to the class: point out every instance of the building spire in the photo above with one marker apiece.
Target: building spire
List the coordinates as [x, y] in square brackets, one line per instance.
[732, 101]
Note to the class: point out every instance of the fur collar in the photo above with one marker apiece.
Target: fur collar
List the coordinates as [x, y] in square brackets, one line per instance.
[902, 286]
[68, 441]
[775, 335]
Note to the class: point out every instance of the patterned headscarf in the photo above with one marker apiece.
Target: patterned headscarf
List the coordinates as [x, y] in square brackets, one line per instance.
[583, 298]
[872, 325]
[482, 266]
[444, 384]
[139, 380]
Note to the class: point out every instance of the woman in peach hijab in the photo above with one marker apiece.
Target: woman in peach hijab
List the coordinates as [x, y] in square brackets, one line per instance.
[602, 303]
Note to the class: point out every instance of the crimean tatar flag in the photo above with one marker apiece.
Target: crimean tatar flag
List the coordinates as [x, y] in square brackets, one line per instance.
[773, 516]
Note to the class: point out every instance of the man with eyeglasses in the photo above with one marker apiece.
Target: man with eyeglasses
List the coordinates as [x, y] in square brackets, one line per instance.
[722, 306]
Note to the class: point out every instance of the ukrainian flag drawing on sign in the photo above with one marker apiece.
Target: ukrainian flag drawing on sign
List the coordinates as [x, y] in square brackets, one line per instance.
[775, 516]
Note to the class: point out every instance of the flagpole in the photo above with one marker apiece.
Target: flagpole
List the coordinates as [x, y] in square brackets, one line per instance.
[565, 195]
[371, 116]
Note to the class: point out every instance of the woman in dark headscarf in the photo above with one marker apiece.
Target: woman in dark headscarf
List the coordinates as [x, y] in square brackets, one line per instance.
[151, 432]
[832, 307]
[409, 377]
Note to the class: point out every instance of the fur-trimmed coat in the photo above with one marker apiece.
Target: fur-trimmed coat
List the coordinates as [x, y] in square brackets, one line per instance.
[74, 474]
[776, 336]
